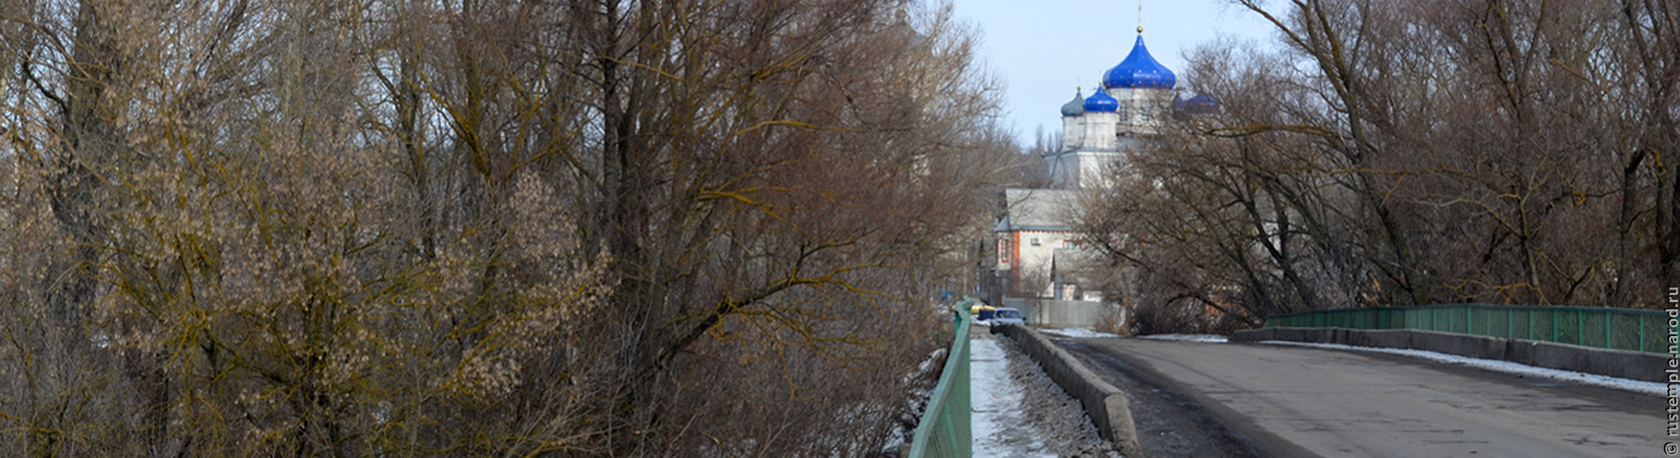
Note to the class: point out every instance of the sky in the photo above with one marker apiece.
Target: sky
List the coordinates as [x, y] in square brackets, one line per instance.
[1043, 50]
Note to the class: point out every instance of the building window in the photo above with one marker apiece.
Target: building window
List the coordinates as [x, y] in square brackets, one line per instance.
[1003, 251]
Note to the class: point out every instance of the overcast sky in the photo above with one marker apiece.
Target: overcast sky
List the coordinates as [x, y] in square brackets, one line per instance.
[1043, 50]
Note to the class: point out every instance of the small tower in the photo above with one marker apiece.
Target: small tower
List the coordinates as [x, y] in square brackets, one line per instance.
[1100, 119]
[1073, 121]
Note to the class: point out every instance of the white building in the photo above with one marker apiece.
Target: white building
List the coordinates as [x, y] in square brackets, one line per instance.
[1131, 106]
[1036, 230]
[1098, 133]
[1037, 245]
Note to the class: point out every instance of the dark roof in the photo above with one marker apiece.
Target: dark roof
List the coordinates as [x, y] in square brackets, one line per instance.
[1038, 210]
[1074, 107]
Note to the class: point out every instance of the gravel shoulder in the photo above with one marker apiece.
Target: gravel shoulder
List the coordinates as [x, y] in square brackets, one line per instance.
[1019, 411]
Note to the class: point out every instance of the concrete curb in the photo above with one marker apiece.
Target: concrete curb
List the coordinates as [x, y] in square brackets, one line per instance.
[1107, 406]
[1614, 363]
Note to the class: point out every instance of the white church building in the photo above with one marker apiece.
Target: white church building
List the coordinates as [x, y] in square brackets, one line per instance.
[1038, 248]
[1130, 108]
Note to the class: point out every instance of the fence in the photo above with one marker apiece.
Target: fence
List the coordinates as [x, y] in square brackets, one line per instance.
[945, 429]
[1613, 328]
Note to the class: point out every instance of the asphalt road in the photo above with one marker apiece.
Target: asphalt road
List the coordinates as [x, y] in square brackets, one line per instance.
[1271, 400]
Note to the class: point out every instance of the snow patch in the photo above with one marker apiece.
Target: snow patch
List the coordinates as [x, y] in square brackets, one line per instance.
[904, 429]
[934, 359]
[997, 420]
[1188, 337]
[1508, 367]
[1077, 333]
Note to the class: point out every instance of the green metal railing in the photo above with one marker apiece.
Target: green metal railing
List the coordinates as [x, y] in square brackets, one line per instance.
[945, 430]
[1613, 328]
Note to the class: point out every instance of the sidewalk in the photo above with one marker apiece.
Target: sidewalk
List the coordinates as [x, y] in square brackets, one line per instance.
[1018, 411]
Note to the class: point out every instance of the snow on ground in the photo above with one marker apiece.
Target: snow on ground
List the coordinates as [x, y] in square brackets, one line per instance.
[1020, 412]
[1188, 337]
[998, 423]
[904, 429]
[1077, 333]
[1502, 366]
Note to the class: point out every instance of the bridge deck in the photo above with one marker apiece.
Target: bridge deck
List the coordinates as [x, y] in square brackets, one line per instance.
[1297, 401]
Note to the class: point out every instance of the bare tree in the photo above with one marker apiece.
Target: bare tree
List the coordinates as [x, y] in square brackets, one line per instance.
[472, 228]
[1412, 153]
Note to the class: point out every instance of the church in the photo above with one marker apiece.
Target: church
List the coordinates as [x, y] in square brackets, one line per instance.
[1130, 108]
[1039, 252]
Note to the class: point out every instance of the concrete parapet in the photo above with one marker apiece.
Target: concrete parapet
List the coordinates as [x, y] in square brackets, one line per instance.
[1614, 363]
[1107, 406]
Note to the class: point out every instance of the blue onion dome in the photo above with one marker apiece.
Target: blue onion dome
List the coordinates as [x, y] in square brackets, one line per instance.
[1076, 106]
[1200, 104]
[1139, 70]
[1100, 102]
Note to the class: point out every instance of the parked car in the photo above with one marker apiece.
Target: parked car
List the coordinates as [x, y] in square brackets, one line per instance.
[982, 314]
[1008, 315]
